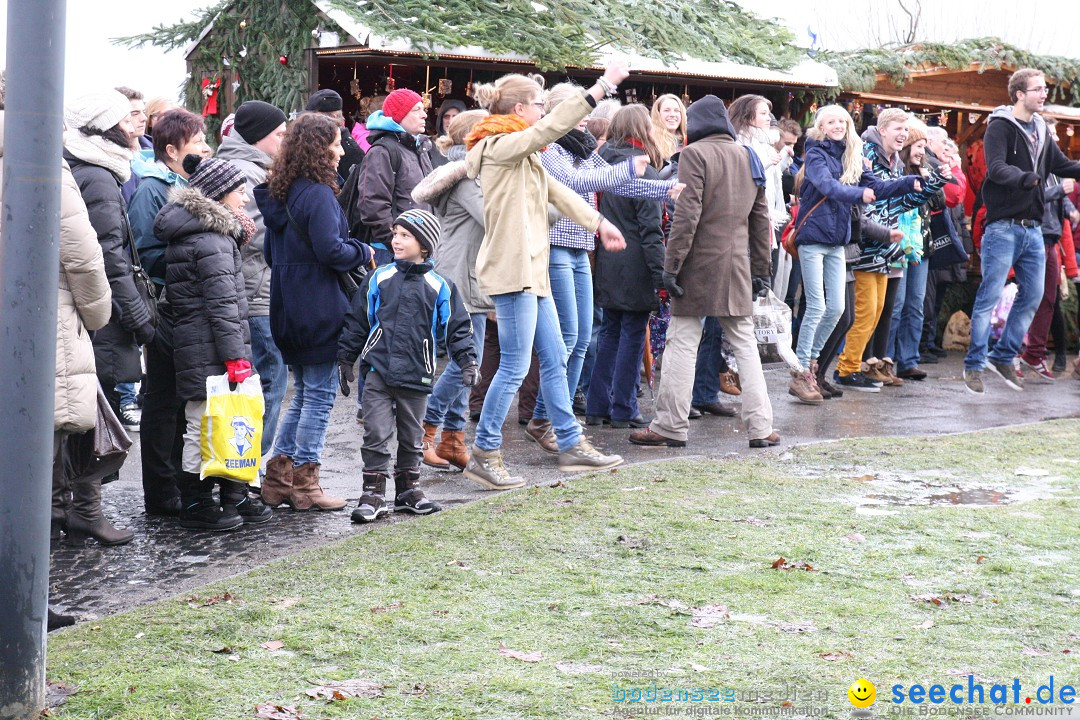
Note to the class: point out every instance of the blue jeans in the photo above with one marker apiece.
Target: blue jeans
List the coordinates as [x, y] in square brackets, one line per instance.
[127, 394]
[709, 364]
[572, 291]
[823, 275]
[613, 389]
[302, 432]
[590, 353]
[273, 374]
[1006, 244]
[449, 399]
[907, 316]
[527, 321]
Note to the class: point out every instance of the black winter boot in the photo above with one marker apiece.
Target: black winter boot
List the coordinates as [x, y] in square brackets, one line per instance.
[61, 499]
[235, 499]
[84, 518]
[408, 495]
[372, 506]
[58, 620]
[200, 511]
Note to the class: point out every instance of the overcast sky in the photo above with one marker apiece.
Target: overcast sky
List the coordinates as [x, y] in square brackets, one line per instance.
[1041, 26]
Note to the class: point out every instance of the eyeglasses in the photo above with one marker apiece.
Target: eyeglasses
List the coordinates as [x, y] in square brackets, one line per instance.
[1042, 90]
[539, 105]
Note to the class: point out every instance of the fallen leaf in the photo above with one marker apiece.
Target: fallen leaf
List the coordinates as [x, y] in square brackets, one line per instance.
[518, 655]
[980, 560]
[343, 690]
[285, 602]
[272, 645]
[633, 543]
[783, 564]
[856, 537]
[926, 624]
[571, 668]
[836, 656]
[196, 601]
[1033, 652]
[417, 690]
[440, 613]
[708, 616]
[57, 693]
[517, 571]
[1066, 651]
[864, 478]
[927, 597]
[458, 563]
[222, 650]
[787, 703]
[272, 711]
[396, 605]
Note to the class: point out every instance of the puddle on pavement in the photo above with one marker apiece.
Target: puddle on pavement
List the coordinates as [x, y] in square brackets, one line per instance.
[927, 488]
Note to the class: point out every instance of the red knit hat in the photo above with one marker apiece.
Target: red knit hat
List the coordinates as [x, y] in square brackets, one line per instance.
[398, 104]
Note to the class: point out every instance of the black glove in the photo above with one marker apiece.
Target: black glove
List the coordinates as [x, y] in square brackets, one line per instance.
[760, 285]
[470, 375]
[145, 334]
[345, 376]
[673, 288]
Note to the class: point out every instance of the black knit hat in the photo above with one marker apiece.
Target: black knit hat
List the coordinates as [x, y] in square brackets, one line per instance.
[423, 226]
[212, 177]
[324, 101]
[256, 119]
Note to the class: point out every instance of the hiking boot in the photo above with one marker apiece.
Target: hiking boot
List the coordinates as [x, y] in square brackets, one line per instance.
[715, 408]
[856, 381]
[1038, 369]
[729, 383]
[277, 483]
[372, 506]
[307, 493]
[773, 439]
[579, 403]
[887, 368]
[803, 387]
[873, 370]
[828, 390]
[131, 417]
[584, 456]
[648, 438]
[973, 381]
[540, 432]
[235, 499]
[1060, 363]
[486, 468]
[205, 514]
[431, 456]
[408, 497]
[453, 449]
[912, 373]
[1007, 372]
[58, 620]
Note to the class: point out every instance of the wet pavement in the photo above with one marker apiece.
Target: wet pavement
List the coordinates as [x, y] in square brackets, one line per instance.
[165, 560]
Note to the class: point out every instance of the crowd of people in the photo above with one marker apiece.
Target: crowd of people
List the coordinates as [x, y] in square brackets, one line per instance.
[554, 244]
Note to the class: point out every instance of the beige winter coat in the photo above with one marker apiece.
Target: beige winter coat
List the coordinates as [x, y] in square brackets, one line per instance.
[84, 303]
[514, 254]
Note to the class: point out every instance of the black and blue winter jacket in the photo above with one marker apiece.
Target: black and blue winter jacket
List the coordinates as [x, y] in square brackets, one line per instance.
[398, 317]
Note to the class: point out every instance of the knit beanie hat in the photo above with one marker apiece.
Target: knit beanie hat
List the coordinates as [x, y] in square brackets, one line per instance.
[256, 119]
[424, 227]
[324, 101]
[398, 104]
[97, 111]
[916, 132]
[212, 177]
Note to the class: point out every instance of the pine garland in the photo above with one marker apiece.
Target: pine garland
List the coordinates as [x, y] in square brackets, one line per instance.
[565, 33]
[857, 70]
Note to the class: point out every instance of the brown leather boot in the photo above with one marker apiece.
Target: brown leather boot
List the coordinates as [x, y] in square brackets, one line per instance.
[84, 518]
[452, 447]
[277, 483]
[432, 458]
[307, 493]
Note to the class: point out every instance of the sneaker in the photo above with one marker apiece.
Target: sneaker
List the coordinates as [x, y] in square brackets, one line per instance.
[1038, 369]
[360, 414]
[1060, 363]
[874, 372]
[370, 509]
[1007, 372]
[579, 403]
[486, 468]
[973, 381]
[131, 417]
[584, 456]
[856, 381]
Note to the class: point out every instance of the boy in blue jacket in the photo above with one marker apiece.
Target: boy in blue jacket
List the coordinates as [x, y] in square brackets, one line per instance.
[397, 317]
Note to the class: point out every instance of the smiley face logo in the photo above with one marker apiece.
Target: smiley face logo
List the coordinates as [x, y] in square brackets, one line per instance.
[862, 693]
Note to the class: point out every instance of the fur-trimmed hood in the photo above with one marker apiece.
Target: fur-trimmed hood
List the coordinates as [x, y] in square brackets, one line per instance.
[440, 181]
[189, 212]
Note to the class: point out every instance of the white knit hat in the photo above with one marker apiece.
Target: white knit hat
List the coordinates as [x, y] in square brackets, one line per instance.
[98, 110]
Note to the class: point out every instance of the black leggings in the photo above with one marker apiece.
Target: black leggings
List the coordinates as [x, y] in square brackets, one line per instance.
[1057, 328]
[878, 346]
[832, 346]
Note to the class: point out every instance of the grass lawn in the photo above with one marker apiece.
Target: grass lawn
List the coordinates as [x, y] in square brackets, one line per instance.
[661, 573]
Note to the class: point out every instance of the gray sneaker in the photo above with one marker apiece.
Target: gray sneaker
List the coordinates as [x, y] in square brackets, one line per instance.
[973, 380]
[583, 457]
[486, 468]
[1007, 372]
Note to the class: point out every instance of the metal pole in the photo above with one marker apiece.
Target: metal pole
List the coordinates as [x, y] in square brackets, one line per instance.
[29, 269]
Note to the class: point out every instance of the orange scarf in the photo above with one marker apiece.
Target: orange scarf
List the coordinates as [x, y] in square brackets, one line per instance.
[494, 125]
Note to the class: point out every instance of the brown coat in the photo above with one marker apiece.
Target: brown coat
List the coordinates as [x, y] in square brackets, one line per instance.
[720, 236]
[514, 254]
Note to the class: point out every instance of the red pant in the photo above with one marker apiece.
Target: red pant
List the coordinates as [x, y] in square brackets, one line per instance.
[1039, 330]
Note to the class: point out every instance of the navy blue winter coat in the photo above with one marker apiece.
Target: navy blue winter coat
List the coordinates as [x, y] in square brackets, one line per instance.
[307, 304]
[830, 224]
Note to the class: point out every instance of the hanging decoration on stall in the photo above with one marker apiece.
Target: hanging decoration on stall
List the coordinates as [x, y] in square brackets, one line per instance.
[210, 93]
[283, 59]
[973, 118]
[426, 95]
[391, 85]
[468, 86]
[446, 85]
[686, 95]
[1070, 130]
[354, 85]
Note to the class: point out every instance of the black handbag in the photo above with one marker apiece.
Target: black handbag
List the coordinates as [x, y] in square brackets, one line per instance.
[945, 248]
[348, 280]
[100, 452]
[144, 286]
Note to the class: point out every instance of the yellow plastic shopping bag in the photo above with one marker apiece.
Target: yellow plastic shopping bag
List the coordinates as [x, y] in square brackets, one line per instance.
[231, 437]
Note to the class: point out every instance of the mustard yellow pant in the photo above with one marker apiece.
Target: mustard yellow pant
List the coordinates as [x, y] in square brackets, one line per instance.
[869, 302]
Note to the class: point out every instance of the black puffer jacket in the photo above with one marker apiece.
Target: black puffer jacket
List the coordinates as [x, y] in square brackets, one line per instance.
[395, 164]
[204, 284]
[628, 280]
[116, 346]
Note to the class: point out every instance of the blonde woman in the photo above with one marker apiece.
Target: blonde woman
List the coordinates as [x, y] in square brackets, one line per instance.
[512, 265]
[669, 124]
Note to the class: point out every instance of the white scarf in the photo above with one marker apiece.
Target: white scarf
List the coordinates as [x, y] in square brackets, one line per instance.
[96, 150]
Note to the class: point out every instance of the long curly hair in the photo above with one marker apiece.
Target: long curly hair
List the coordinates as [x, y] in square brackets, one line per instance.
[305, 153]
